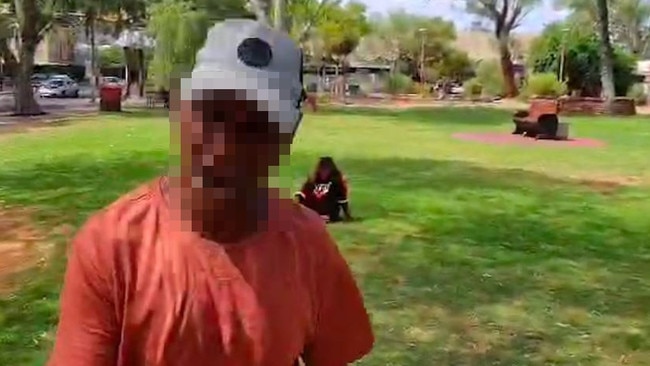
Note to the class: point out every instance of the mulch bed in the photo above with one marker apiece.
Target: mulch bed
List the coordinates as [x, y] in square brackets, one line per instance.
[509, 139]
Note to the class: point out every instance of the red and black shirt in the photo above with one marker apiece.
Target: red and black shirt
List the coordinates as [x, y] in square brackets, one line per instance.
[325, 196]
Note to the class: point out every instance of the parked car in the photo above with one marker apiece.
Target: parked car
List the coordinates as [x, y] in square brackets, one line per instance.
[38, 79]
[112, 80]
[59, 88]
[457, 89]
[63, 77]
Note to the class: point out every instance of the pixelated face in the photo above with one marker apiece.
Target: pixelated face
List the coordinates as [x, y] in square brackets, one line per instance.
[324, 172]
[227, 145]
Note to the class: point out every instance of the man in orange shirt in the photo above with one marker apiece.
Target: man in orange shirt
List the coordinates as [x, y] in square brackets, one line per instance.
[209, 266]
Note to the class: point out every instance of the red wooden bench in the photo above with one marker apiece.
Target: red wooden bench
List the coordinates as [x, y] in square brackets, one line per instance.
[540, 121]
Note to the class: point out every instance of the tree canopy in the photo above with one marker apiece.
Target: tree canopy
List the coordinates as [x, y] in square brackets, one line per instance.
[582, 59]
[504, 16]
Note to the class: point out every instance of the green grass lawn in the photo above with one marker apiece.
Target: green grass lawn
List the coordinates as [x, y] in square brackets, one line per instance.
[467, 254]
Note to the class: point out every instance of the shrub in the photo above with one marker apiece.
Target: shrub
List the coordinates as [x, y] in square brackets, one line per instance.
[323, 98]
[638, 93]
[488, 74]
[544, 84]
[421, 89]
[399, 84]
[111, 57]
[472, 88]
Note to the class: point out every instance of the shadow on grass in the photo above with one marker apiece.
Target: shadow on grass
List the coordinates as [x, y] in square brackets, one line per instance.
[71, 189]
[442, 115]
[526, 215]
[139, 113]
[449, 254]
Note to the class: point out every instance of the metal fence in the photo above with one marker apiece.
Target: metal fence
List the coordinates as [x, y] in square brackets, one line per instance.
[365, 83]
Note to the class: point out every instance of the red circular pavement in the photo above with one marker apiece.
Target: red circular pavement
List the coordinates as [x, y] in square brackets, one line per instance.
[510, 139]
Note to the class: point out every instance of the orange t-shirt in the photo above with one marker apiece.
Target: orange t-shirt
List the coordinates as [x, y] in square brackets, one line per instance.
[138, 293]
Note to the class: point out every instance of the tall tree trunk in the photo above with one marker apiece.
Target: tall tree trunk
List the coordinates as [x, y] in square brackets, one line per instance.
[141, 72]
[607, 56]
[344, 79]
[127, 72]
[28, 15]
[25, 104]
[279, 15]
[93, 55]
[507, 67]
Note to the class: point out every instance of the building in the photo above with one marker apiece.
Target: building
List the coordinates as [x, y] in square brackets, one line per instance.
[57, 47]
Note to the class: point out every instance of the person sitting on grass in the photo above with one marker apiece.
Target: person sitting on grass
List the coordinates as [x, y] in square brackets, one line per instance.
[326, 192]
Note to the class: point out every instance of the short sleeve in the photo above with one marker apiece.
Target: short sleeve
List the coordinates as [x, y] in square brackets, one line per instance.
[343, 333]
[88, 332]
[305, 190]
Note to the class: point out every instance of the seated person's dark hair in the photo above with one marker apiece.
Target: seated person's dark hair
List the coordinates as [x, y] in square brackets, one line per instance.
[326, 191]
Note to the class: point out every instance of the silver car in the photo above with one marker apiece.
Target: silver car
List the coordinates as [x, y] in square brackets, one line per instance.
[56, 87]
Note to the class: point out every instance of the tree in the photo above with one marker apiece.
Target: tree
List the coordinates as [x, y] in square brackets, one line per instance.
[408, 38]
[180, 32]
[180, 28]
[111, 57]
[342, 29]
[575, 53]
[629, 21]
[303, 16]
[392, 31]
[297, 17]
[25, 24]
[607, 55]
[91, 11]
[630, 24]
[340, 33]
[454, 64]
[598, 12]
[505, 16]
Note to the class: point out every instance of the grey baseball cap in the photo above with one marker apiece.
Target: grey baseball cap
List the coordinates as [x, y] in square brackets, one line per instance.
[261, 63]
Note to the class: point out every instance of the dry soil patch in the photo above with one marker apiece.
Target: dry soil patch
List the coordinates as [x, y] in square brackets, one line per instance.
[22, 246]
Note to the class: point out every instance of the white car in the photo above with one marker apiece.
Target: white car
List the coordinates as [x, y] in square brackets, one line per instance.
[59, 87]
[457, 89]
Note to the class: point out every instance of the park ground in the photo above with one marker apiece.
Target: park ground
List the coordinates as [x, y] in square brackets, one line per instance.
[467, 253]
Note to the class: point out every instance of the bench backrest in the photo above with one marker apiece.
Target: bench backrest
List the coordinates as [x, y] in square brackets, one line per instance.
[540, 107]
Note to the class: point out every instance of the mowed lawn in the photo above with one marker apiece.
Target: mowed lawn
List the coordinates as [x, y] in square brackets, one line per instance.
[467, 254]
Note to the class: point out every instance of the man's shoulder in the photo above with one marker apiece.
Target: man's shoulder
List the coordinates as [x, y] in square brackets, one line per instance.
[301, 218]
[142, 195]
[129, 208]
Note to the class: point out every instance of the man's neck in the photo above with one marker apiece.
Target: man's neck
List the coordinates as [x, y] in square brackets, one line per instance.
[249, 217]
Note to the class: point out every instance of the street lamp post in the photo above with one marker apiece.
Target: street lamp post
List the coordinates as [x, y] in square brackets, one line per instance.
[422, 32]
[563, 54]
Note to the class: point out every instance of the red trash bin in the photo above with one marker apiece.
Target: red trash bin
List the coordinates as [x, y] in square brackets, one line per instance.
[110, 98]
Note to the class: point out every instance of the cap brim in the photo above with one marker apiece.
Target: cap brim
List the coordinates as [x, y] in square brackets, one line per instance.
[262, 87]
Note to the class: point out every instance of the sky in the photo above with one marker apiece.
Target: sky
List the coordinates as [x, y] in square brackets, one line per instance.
[453, 10]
